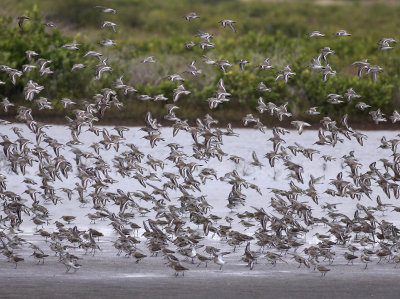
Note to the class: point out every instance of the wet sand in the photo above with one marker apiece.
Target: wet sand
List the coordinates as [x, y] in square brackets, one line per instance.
[189, 287]
[123, 278]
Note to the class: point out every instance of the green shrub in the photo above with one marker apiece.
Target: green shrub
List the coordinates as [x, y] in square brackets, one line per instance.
[157, 27]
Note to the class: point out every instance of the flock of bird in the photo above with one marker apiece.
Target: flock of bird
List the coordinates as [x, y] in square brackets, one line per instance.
[168, 208]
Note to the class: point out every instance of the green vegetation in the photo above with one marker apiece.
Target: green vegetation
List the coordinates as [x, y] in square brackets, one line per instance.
[157, 27]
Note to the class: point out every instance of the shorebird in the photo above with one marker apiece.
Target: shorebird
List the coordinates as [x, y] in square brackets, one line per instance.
[93, 53]
[377, 116]
[350, 257]
[313, 111]
[396, 260]
[362, 66]
[40, 256]
[192, 69]
[395, 117]
[5, 104]
[219, 260]
[77, 66]
[334, 98]
[301, 260]
[316, 33]
[189, 45]
[223, 64]
[323, 269]
[138, 256]
[300, 125]
[106, 9]
[208, 60]
[374, 70]
[178, 268]
[16, 260]
[175, 77]
[206, 44]
[285, 74]
[28, 67]
[362, 106]
[242, 64]
[107, 42]
[149, 59]
[351, 94]
[203, 259]
[109, 24]
[191, 16]
[67, 102]
[325, 52]
[273, 257]
[21, 20]
[72, 47]
[68, 219]
[262, 87]
[30, 54]
[158, 97]
[69, 263]
[228, 23]
[179, 91]
[327, 71]
[100, 70]
[341, 33]
[50, 24]
[265, 65]
[384, 43]
[365, 259]
[316, 63]
[189, 253]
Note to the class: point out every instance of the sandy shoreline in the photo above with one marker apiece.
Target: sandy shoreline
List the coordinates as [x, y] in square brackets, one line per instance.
[280, 282]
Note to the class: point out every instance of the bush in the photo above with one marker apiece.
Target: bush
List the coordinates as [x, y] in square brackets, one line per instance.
[157, 28]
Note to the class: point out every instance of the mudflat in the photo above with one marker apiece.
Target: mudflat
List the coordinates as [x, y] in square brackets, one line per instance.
[106, 278]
